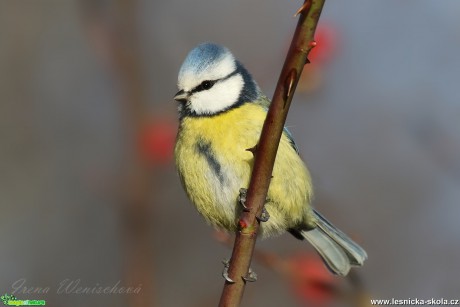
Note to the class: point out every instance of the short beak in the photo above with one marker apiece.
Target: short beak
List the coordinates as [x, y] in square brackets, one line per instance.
[181, 96]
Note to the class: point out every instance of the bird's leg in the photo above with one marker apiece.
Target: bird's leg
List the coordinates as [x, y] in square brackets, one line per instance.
[242, 199]
[225, 272]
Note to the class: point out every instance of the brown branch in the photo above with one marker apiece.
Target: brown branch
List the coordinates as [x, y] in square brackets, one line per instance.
[265, 151]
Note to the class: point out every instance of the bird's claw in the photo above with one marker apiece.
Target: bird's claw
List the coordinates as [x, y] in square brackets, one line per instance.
[225, 272]
[242, 199]
[251, 276]
[264, 216]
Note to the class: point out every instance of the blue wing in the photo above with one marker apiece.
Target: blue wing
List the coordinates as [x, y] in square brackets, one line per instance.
[291, 139]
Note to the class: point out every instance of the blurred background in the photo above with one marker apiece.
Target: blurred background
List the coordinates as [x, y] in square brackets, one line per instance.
[89, 194]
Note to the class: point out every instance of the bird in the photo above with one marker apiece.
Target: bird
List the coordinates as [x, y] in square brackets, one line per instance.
[221, 113]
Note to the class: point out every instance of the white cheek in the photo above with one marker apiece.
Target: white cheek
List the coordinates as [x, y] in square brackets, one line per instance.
[221, 96]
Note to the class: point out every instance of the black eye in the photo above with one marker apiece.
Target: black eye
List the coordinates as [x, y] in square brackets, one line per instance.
[206, 85]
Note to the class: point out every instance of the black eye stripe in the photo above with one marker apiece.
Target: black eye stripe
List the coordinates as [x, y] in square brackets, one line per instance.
[207, 84]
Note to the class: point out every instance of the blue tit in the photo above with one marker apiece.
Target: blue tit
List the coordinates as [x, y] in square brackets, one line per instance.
[221, 114]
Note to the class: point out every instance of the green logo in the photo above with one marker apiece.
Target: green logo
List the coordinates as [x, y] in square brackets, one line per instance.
[11, 300]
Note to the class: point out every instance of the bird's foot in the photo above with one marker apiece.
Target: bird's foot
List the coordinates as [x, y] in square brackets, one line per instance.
[251, 276]
[242, 199]
[225, 272]
[264, 216]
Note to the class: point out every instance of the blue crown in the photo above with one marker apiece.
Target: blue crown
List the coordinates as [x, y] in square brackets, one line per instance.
[202, 56]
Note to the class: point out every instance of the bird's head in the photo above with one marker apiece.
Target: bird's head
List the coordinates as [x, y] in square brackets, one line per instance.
[212, 81]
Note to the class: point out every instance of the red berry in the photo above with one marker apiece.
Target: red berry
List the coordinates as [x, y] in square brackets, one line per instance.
[311, 282]
[325, 44]
[156, 141]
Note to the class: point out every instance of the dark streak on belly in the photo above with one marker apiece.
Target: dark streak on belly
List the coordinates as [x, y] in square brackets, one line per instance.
[204, 148]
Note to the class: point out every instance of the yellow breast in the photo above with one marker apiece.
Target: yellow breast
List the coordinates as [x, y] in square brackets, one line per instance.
[213, 164]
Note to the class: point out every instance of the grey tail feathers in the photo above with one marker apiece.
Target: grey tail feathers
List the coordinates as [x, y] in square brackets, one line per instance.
[338, 251]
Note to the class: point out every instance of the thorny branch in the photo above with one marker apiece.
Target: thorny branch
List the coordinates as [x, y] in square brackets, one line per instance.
[265, 151]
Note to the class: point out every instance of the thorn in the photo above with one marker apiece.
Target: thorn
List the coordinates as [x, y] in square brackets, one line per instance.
[289, 85]
[311, 45]
[304, 8]
[253, 150]
[225, 272]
